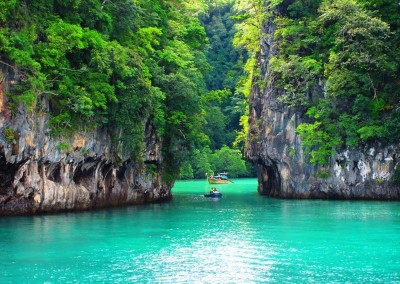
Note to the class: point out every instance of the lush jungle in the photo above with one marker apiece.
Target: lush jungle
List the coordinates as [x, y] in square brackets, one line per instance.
[189, 65]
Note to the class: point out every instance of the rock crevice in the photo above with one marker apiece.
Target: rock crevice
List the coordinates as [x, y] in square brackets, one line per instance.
[37, 175]
[284, 169]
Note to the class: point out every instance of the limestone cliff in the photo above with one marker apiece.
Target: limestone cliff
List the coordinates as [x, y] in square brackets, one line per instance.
[40, 173]
[284, 170]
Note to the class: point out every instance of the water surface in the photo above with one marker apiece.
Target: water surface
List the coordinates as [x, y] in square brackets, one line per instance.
[240, 238]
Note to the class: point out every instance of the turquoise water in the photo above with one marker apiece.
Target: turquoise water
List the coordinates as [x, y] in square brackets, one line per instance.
[240, 238]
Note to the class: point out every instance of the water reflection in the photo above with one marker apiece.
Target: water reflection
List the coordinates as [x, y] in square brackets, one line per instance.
[216, 257]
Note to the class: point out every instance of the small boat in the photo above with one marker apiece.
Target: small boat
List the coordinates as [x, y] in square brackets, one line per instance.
[221, 178]
[214, 195]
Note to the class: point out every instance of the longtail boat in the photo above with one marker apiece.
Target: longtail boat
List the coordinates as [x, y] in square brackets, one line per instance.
[220, 178]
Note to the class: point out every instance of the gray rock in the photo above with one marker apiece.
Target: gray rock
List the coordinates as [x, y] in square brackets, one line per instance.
[284, 170]
[38, 177]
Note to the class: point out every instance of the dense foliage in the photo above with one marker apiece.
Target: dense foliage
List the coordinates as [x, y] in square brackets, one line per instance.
[110, 63]
[123, 64]
[339, 62]
[208, 162]
[186, 67]
[220, 105]
[225, 105]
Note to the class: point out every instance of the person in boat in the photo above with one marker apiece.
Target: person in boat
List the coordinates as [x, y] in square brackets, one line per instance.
[215, 190]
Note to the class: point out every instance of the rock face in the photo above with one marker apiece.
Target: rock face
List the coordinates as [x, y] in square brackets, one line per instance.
[39, 173]
[283, 168]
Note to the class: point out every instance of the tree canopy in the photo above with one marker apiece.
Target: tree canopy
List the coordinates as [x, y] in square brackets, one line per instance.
[187, 67]
[122, 64]
[348, 49]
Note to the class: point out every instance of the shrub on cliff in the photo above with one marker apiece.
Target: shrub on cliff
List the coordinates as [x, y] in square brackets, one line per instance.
[338, 60]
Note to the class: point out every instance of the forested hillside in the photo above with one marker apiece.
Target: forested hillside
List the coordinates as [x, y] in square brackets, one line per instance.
[339, 62]
[189, 65]
[113, 63]
[324, 102]
[226, 100]
[110, 63]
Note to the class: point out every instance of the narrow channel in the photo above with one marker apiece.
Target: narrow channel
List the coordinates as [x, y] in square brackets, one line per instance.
[242, 237]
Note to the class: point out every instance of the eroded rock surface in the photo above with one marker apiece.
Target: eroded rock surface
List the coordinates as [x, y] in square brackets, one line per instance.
[39, 173]
[284, 170]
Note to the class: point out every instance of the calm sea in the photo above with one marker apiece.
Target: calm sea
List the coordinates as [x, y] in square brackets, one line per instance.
[241, 238]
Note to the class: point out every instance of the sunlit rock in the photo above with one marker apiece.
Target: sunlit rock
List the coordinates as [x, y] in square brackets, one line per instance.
[38, 176]
[283, 168]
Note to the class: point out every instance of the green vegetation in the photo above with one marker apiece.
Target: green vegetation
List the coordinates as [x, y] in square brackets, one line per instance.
[11, 136]
[124, 65]
[251, 16]
[291, 152]
[224, 159]
[228, 87]
[110, 63]
[64, 147]
[186, 68]
[339, 62]
[323, 174]
[224, 103]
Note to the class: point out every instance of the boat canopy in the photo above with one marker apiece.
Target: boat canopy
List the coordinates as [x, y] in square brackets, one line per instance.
[221, 175]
